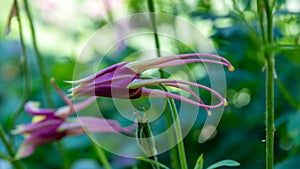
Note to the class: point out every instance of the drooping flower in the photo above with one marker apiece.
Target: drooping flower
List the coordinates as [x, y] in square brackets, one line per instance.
[123, 80]
[54, 124]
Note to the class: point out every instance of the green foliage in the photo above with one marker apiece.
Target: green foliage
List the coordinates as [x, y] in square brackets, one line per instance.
[224, 163]
[199, 163]
[63, 28]
[152, 162]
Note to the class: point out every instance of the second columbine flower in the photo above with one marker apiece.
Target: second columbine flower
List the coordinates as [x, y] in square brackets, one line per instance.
[123, 80]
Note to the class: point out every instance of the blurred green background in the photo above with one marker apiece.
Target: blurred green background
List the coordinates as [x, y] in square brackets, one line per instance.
[63, 27]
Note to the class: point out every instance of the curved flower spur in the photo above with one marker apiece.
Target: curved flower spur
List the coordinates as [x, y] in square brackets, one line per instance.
[49, 125]
[123, 80]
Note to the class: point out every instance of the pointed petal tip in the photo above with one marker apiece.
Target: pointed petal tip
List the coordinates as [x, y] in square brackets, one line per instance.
[15, 131]
[231, 68]
[37, 119]
[24, 151]
[70, 94]
[19, 156]
[73, 96]
[225, 103]
[69, 81]
[18, 130]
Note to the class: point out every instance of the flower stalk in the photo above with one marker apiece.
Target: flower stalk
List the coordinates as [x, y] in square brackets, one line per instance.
[25, 66]
[101, 155]
[176, 121]
[267, 39]
[6, 142]
[173, 152]
[270, 60]
[270, 126]
[146, 140]
[39, 58]
[17, 164]
[151, 8]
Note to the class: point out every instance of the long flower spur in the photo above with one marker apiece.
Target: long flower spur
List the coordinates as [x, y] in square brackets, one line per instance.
[123, 80]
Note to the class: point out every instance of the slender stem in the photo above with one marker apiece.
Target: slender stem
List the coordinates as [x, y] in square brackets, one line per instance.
[153, 22]
[66, 164]
[46, 84]
[248, 26]
[5, 157]
[269, 21]
[6, 142]
[270, 65]
[153, 162]
[146, 140]
[173, 151]
[9, 148]
[178, 132]
[270, 127]
[261, 20]
[151, 8]
[102, 156]
[26, 70]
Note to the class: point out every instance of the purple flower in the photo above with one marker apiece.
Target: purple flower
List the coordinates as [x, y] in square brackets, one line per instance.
[54, 124]
[123, 80]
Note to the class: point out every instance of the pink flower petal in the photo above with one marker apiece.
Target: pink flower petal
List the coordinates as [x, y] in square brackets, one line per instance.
[151, 82]
[140, 66]
[189, 91]
[158, 93]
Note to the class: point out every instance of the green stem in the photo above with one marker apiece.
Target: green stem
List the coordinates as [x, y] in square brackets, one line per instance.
[153, 22]
[270, 64]
[17, 164]
[102, 156]
[6, 142]
[66, 164]
[146, 140]
[261, 20]
[9, 148]
[173, 151]
[26, 70]
[269, 21]
[154, 28]
[244, 20]
[46, 84]
[270, 128]
[182, 157]
[6, 157]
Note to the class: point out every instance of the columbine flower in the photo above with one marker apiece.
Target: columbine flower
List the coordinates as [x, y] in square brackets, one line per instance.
[54, 124]
[123, 80]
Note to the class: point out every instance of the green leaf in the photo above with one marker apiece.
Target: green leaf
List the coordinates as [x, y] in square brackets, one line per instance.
[199, 163]
[281, 47]
[152, 162]
[228, 163]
